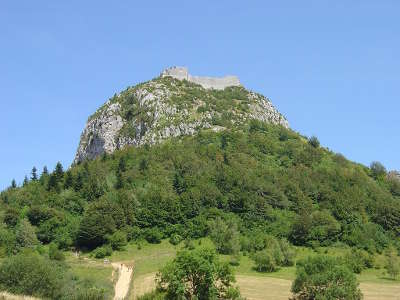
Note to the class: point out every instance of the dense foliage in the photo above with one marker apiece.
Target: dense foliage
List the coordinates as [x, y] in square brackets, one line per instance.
[234, 186]
[252, 189]
[199, 275]
[324, 277]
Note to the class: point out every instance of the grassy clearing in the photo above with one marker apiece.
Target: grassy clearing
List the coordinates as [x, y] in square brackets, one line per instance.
[149, 258]
[92, 271]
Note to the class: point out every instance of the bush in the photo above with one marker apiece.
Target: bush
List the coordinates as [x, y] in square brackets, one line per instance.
[175, 239]
[31, 274]
[265, 261]
[377, 170]
[324, 277]
[313, 141]
[358, 260]
[103, 251]
[117, 240]
[55, 253]
[153, 235]
[197, 274]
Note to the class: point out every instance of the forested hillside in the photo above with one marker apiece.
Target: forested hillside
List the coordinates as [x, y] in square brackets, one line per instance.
[263, 178]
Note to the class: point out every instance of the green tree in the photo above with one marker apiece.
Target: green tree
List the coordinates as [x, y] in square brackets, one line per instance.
[198, 275]
[265, 261]
[324, 277]
[34, 176]
[25, 235]
[117, 240]
[392, 264]
[31, 274]
[69, 180]
[225, 235]
[101, 219]
[13, 184]
[11, 217]
[55, 253]
[313, 141]
[59, 171]
[377, 170]
[26, 181]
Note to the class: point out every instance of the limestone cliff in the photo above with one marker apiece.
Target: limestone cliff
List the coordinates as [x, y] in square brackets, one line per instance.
[172, 105]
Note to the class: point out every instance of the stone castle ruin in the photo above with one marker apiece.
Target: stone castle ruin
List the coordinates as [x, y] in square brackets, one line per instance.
[218, 83]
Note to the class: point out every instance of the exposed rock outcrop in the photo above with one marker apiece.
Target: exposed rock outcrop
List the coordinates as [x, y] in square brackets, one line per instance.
[170, 106]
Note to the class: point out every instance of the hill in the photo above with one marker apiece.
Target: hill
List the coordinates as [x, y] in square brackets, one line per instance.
[210, 163]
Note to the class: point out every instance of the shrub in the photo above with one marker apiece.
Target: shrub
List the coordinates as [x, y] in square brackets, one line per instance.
[153, 235]
[197, 274]
[265, 261]
[313, 141]
[31, 274]
[175, 239]
[324, 277]
[377, 169]
[358, 260]
[117, 240]
[55, 253]
[103, 251]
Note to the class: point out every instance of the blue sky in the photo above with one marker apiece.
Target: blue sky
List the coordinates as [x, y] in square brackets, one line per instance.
[331, 67]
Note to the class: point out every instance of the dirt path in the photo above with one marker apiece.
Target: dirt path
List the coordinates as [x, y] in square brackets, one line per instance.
[124, 280]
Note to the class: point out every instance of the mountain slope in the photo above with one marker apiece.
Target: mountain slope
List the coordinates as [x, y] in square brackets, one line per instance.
[168, 107]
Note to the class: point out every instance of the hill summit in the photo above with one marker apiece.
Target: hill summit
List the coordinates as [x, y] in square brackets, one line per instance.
[171, 105]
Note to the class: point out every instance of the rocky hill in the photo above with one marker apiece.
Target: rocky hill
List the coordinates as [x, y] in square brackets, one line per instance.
[171, 105]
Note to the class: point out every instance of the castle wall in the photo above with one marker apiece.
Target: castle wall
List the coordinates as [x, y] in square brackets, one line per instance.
[218, 83]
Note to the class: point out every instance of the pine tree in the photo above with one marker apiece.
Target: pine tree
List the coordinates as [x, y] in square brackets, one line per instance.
[34, 176]
[59, 171]
[26, 181]
[13, 184]
[122, 165]
[78, 182]
[53, 182]
[45, 171]
[69, 180]
[120, 180]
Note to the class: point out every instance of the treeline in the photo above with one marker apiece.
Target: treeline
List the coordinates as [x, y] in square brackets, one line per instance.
[256, 189]
[270, 179]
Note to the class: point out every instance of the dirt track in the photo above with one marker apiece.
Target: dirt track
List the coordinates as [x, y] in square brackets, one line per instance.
[124, 280]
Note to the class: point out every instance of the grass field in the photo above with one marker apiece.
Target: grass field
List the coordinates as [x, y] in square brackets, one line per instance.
[253, 285]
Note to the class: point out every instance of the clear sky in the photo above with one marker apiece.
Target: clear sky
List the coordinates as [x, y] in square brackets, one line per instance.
[331, 67]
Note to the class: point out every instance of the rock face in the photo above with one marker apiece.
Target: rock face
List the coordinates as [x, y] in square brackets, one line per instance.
[172, 105]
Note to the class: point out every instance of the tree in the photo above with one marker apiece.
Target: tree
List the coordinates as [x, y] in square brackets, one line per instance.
[377, 169]
[59, 171]
[101, 219]
[25, 235]
[11, 217]
[324, 277]
[13, 184]
[392, 265]
[34, 176]
[45, 171]
[117, 240]
[52, 184]
[122, 164]
[69, 180]
[120, 180]
[225, 235]
[265, 261]
[197, 274]
[31, 274]
[313, 141]
[26, 181]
